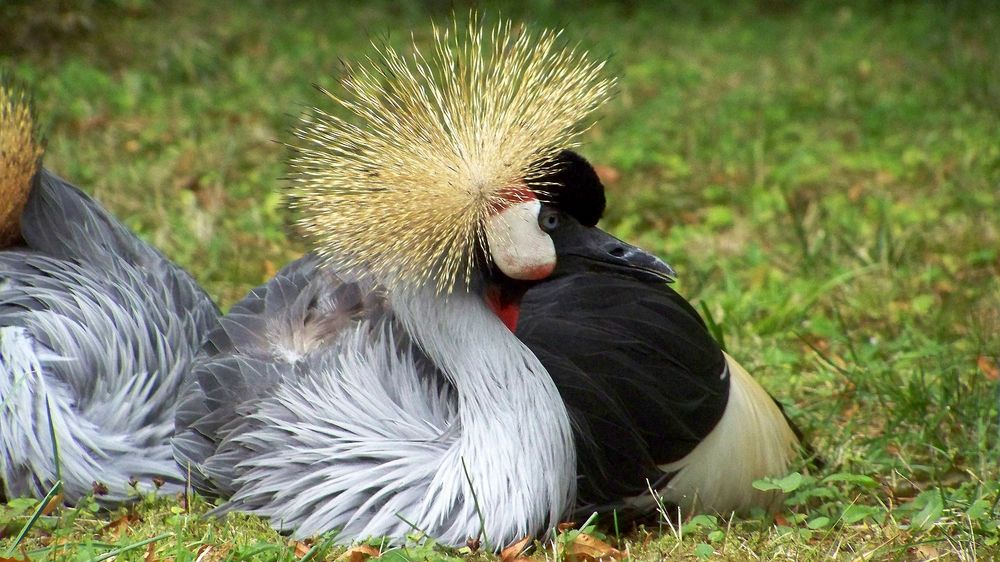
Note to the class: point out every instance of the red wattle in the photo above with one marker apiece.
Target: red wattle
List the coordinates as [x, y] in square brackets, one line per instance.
[507, 310]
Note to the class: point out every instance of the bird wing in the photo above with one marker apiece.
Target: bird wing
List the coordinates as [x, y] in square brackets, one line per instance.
[641, 376]
[304, 308]
[310, 405]
[98, 330]
[244, 357]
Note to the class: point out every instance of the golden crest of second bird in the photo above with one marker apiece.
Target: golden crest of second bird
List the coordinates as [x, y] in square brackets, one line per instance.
[20, 153]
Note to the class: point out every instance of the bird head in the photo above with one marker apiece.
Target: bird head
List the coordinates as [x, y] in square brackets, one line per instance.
[574, 203]
[20, 156]
[428, 177]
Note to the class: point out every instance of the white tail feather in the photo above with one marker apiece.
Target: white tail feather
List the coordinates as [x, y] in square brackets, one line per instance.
[751, 441]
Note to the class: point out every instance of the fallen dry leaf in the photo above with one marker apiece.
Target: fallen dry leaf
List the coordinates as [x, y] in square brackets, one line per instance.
[209, 553]
[150, 553]
[359, 553]
[926, 552]
[646, 539]
[55, 502]
[116, 527]
[514, 550]
[99, 488]
[586, 548]
[204, 552]
[5, 559]
[989, 368]
[301, 548]
[849, 412]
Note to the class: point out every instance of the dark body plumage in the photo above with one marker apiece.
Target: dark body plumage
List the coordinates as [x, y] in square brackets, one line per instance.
[644, 382]
[641, 377]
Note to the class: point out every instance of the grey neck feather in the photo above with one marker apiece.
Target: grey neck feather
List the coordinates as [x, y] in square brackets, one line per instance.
[516, 439]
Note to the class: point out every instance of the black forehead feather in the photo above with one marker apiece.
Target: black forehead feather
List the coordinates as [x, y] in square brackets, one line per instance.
[573, 187]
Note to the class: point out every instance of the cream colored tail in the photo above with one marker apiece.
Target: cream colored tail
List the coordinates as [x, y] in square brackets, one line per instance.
[20, 156]
[752, 440]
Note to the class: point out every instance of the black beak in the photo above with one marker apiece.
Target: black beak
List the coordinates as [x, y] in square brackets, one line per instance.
[583, 248]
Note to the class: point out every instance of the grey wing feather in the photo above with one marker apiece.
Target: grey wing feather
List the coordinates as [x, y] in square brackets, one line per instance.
[97, 329]
[332, 419]
[61, 221]
[210, 402]
[303, 308]
[349, 439]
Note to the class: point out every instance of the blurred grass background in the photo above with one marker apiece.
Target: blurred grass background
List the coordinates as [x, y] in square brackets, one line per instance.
[825, 176]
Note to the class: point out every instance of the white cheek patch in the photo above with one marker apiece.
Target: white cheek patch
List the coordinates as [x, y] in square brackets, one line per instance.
[518, 246]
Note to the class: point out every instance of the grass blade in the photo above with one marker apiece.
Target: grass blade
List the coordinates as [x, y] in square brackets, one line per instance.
[133, 546]
[52, 437]
[713, 327]
[475, 501]
[312, 552]
[34, 517]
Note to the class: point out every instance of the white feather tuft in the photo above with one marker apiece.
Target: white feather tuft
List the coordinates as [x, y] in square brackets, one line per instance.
[752, 440]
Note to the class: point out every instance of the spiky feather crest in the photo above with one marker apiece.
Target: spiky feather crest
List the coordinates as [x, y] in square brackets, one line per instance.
[442, 141]
[20, 155]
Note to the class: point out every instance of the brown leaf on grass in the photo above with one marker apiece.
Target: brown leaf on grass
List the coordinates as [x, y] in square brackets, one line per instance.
[121, 524]
[514, 550]
[586, 548]
[205, 553]
[209, 553]
[850, 411]
[647, 537]
[359, 553]
[5, 559]
[150, 553]
[855, 192]
[55, 502]
[989, 368]
[926, 552]
[301, 548]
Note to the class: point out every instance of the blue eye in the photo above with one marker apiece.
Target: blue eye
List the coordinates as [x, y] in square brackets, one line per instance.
[548, 221]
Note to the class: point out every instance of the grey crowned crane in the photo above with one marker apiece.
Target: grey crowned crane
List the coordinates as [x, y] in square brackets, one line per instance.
[97, 330]
[657, 407]
[377, 386]
[370, 388]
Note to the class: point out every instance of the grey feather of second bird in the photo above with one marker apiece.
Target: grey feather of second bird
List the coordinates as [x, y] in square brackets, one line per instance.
[97, 332]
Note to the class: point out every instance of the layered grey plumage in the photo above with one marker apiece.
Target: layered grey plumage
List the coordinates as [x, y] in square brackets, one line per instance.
[97, 330]
[323, 403]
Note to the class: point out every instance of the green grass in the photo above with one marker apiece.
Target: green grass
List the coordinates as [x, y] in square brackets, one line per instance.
[825, 178]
